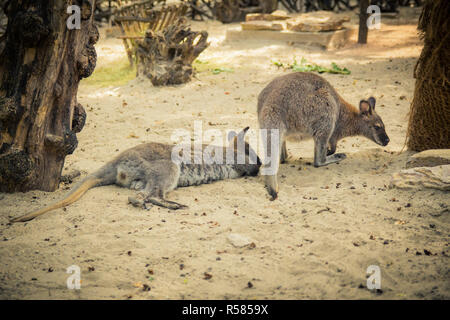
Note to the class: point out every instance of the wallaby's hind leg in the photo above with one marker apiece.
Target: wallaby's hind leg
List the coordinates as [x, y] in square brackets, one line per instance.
[165, 203]
[284, 154]
[332, 147]
[320, 153]
[272, 156]
[161, 176]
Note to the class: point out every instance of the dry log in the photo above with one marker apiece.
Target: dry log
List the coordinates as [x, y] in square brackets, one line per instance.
[166, 56]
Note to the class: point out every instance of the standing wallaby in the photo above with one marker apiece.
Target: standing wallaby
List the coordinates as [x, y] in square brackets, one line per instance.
[150, 169]
[305, 105]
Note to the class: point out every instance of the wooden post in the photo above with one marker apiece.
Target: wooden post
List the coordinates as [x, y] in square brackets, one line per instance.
[363, 30]
[40, 67]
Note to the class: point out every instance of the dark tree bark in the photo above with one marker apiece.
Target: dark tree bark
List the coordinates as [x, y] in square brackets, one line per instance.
[363, 30]
[40, 67]
[429, 117]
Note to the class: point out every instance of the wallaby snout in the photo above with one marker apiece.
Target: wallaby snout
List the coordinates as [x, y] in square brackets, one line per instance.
[384, 139]
[372, 127]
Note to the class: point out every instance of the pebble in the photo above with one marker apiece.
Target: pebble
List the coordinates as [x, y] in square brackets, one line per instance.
[239, 240]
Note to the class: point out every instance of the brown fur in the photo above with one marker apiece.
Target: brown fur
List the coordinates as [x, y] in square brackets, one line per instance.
[306, 105]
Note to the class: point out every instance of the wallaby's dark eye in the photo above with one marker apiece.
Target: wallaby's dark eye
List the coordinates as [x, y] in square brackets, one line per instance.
[377, 127]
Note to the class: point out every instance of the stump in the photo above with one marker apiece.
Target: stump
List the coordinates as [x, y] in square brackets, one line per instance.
[166, 56]
[135, 18]
[40, 68]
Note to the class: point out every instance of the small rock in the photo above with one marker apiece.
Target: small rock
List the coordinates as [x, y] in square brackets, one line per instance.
[262, 25]
[429, 158]
[422, 177]
[276, 15]
[239, 240]
[146, 287]
[316, 21]
[207, 276]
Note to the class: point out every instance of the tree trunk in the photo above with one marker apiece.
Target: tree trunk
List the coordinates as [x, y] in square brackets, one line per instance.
[363, 30]
[429, 118]
[41, 64]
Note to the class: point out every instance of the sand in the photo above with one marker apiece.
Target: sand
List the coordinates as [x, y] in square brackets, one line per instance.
[315, 242]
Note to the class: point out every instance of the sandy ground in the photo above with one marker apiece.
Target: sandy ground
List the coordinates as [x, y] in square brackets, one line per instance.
[315, 242]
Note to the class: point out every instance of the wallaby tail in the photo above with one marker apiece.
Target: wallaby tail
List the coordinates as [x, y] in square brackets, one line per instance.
[76, 194]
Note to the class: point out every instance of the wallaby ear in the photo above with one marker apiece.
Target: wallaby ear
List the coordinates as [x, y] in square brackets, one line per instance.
[372, 102]
[244, 131]
[364, 107]
[231, 135]
[241, 135]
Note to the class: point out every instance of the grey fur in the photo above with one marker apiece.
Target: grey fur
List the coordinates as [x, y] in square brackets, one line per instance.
[149, 169]
[304, 105]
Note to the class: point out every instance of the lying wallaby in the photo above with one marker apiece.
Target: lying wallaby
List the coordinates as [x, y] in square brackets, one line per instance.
[150, 169]
[305, 105]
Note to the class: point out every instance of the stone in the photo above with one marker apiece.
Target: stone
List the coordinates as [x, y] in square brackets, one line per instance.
[437, 177]
[276, 15]
[239, 240]
[318, 21]
[262, 25]
[429, 158]
[326, 40]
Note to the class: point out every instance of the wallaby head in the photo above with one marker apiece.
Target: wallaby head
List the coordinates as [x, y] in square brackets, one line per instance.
[252, 161]
[371, 125]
